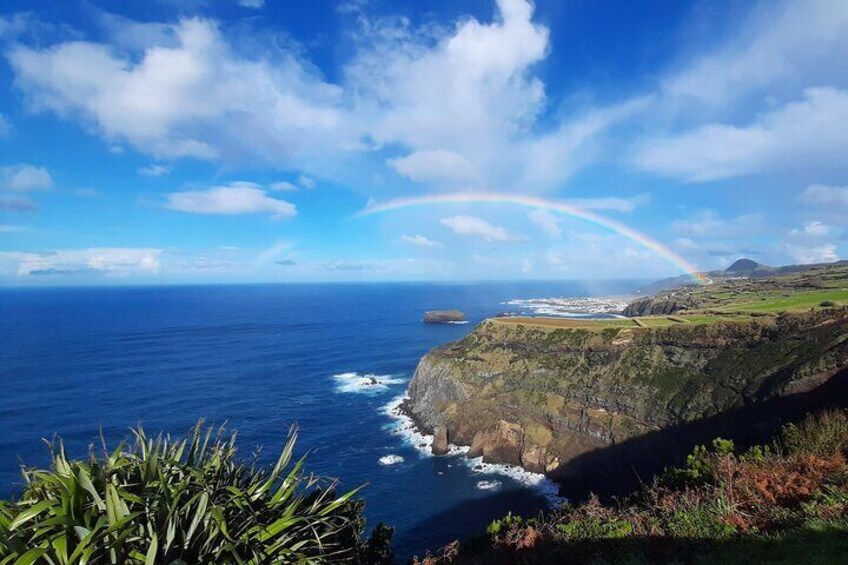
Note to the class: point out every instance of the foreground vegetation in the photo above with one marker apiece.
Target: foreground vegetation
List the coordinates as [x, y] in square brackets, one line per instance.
[159, 501]
[786, 502]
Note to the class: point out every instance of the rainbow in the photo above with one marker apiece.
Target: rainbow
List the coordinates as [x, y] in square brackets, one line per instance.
[545, 204]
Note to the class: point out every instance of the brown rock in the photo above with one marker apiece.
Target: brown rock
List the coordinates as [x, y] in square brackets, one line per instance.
[440, 440]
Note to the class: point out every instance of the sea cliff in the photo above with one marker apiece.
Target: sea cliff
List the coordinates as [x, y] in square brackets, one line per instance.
[587, 405]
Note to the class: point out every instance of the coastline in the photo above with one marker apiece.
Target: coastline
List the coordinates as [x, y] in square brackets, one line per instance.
[421, 438]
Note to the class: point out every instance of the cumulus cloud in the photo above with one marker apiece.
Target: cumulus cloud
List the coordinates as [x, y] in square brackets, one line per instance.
[420, 240]
[24, 178]
[477, 227]
[154, 170]
[306, 182]
[547, 222]
[780, 45]
[283, 186]
[814, 228]
[17, 204]
[229, 200]
[831, 197]
[459, 102]
[188, 95]
[435, 165]
[611, 203]
[825, 253]
[795, 136]
[111, 261]
[707, 223]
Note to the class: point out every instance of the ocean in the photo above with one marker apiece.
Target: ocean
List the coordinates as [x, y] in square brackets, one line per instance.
[75, 361]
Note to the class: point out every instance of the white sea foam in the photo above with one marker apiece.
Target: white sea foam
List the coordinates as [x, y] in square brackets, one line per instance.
[404, 427]
[537, 481]
[457, 322]
[572, 307]
[488, 485]
[390, 459]
[365, 384]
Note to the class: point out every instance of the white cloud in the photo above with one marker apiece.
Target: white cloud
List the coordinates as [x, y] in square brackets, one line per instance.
[112, 261]
[464, 98]
[306, 182]
[154, 170]
[547, 222]
[24, 178]
[834, 198]
[188, 95]
[420, 240]
[283, 186]
[476, 227]
[611, 203]
[798, 135]
[707, 223]
[780, 45]
[229, 200]
[814, 228]
[17, 204]
[5, 126]
[825, 253]
[436, 165]
[252, 4]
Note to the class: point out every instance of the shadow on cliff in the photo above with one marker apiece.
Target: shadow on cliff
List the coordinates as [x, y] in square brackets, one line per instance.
[619, 469]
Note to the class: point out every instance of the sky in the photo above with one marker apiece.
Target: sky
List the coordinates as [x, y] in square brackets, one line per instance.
[216, 141]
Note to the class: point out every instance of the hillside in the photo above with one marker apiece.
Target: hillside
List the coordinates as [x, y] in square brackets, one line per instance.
[597, 405]
[747, 287]
[740, 268]
[783, 502]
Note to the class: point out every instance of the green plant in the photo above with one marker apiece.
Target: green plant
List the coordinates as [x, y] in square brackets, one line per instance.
[823, 435]
[498, 526]
[186, 501]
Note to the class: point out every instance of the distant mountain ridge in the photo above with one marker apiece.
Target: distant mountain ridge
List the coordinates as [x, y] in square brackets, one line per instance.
[743, 267]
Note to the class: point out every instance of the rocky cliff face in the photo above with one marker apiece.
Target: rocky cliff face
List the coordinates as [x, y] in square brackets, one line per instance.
[549, 398]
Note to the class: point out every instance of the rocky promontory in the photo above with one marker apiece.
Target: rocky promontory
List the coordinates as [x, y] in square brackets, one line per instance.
[587, 404]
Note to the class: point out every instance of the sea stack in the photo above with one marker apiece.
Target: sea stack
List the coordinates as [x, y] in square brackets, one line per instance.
[440, 440]
[443, 316]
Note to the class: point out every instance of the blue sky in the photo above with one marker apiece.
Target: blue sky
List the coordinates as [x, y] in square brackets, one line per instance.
[238, 140]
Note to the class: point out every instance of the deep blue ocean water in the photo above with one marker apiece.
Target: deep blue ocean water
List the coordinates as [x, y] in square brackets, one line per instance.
[259, 357]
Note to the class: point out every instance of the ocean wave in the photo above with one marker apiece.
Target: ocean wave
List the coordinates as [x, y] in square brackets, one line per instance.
[403, 426]
[488, 485]
[365, 384]
[537, 481]
[572, 307]
[391, 459]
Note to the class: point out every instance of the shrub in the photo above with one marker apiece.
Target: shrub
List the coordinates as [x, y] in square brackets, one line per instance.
[824, 434]
[185, 501]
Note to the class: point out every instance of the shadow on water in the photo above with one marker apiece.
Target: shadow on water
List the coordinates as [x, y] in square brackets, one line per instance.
[469, 517]
[620, 469]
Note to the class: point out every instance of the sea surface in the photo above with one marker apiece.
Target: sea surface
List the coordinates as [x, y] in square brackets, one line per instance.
[77, 361]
